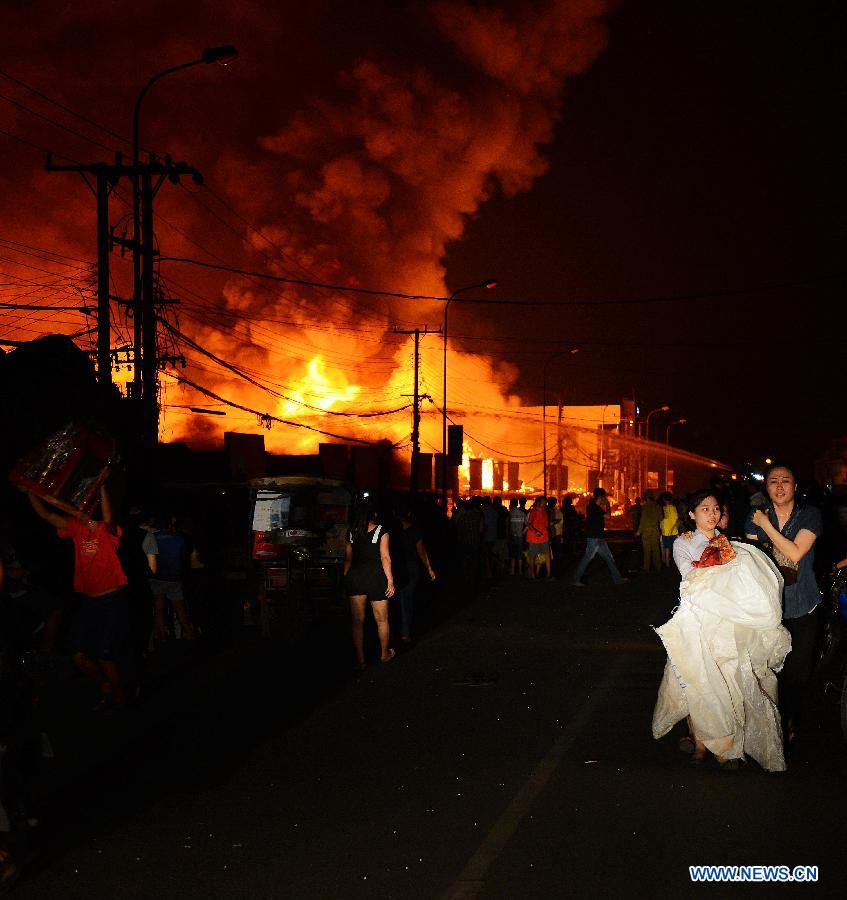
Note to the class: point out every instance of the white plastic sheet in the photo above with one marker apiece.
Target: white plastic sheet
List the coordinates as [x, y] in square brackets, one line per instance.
[725, 645]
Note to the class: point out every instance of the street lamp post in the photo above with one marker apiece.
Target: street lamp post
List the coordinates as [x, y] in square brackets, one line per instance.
[487, 284]
[565, 352]
[647, 437]
[144, 325]
[667, 444]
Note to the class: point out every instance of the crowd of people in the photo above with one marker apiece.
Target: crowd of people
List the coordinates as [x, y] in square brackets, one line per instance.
[123, 590]
[99, 595]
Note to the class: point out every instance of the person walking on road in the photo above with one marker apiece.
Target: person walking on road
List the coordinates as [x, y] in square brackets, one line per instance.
[538, 537]
[368, 577]
[725, 645]
[556, 521]
[648, 531]
[595, 542]
[167, 557]
[571, 521]
[414, 558]
[788, 529]
[517, 536]
[669, 526]
[101, 630]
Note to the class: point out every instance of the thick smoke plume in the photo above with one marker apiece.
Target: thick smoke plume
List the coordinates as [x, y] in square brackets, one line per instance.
[360, 139]
[376, 182]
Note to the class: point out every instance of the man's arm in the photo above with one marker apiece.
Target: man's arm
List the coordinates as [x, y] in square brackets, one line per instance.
[151, 551]
[424, 557]
[48, 515]
[106, 510]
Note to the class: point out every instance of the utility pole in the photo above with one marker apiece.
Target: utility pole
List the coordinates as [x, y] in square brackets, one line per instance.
[416, 407]
[559, 445]
[104, 346]
[106, 178]
[151, 176]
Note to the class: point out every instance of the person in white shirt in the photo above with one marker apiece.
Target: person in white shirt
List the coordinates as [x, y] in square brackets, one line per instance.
[704, 513]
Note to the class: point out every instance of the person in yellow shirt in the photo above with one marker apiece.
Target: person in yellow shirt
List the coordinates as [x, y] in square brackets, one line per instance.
[648, 531]
[669, 526]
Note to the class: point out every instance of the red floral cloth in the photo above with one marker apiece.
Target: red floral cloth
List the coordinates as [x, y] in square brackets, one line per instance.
[717, 553]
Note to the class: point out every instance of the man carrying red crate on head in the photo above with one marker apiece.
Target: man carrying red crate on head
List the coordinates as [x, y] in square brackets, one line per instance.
[102, 626]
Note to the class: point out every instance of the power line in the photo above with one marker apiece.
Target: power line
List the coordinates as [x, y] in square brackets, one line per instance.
[53, 122]
[46, 308]
[266, 417]
[64, 108]
[299, 281]
[667, 298]
[44, 150]
[378, 314]
[15, 244]
[291, 349]
[241, 374]
[375, 314]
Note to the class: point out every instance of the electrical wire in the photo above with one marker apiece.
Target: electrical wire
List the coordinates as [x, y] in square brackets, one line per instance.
[64, 108]
[40, 252]
[56, 124]
[241, 374]
[266, 417]
[488, 301]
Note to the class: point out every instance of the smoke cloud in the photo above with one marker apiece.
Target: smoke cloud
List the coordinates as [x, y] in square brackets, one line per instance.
[361, 149]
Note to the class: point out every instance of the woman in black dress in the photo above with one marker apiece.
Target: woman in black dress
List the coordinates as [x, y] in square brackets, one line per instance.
[367, 576]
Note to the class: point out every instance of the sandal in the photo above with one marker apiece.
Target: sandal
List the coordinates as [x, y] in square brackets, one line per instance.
[697, 758]
[391, 654]
[687, 745]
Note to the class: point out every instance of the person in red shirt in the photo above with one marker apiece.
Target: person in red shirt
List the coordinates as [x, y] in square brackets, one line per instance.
[538, 537]
[101, 629]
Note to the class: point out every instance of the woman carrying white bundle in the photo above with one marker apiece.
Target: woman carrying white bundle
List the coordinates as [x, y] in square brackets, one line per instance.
[725, 645]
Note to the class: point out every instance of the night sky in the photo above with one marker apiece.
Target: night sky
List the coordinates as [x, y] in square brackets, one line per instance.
[574, 151]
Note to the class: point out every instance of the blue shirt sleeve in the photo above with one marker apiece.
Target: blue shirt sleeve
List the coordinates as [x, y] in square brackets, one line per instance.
[811, 520]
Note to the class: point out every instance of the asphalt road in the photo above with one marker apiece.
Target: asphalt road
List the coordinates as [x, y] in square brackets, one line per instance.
[507, 754]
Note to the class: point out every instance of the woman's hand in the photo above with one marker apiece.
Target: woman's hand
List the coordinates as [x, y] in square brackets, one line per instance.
[389, 591]
[760, 518]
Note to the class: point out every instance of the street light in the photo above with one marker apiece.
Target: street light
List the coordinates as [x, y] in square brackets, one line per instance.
[667, 444]
[144, 327]
[565, 352]
[487, 284]
[647, 437]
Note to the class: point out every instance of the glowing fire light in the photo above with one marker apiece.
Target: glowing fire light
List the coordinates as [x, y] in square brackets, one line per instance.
[317, 388]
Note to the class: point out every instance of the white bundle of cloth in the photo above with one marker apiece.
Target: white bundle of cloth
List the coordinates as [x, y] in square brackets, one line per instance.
[725, 645]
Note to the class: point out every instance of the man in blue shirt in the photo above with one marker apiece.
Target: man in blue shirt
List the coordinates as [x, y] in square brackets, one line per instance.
[167, 555]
